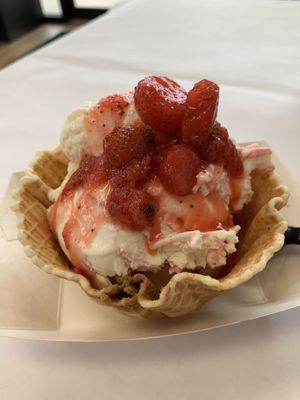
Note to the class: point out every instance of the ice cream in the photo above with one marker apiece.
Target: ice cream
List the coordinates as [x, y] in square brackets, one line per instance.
[186, 223]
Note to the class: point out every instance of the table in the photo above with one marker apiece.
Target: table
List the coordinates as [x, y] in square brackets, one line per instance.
[254, 43]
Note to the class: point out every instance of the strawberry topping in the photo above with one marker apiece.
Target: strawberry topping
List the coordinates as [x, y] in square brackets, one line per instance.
[178, 168]
[101, 119]
[160, 102]
[135, 173]
[132, 207]
[214, 148]
[201, 112]
[218, 148]
[91, 172]
[124, 143]
[115, 103]
[174, 136]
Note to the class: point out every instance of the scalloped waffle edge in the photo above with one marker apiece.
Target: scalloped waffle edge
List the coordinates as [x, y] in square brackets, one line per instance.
[261, 236]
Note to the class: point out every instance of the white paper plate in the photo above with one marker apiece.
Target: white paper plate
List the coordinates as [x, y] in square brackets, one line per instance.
[34, 305]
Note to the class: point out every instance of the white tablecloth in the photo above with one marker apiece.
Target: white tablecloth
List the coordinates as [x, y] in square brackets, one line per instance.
[254, 44]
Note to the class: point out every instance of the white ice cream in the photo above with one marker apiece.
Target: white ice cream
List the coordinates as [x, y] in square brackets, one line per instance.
[114, 249]
[72, 135]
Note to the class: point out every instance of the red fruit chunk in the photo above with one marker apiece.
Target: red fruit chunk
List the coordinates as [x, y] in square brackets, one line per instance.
[178, 168]
[91, 172]
[201, 111]
[233, 163]
[133, 174]
[132, 207]
[160, 102]
[124, 143]
[214, 148]
[218, 148]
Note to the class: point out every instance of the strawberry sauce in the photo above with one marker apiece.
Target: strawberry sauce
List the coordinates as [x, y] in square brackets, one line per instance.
[102, 119]
[187, 213]
[82, 206]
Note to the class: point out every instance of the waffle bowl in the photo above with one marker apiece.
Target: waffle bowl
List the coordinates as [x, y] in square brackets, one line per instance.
[262, 235]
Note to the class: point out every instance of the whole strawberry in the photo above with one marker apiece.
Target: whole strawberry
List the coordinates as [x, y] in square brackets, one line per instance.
[178, 168]
[160, 102]
[201, 111]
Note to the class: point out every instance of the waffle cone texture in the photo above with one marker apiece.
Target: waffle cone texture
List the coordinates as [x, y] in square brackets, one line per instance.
[262, 235]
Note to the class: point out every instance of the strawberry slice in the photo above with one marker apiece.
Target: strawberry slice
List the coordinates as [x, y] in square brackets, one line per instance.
[201, 111]
[178, 168]
[160, 102]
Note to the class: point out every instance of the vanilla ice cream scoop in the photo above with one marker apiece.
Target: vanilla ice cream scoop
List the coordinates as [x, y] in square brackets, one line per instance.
[187, 232]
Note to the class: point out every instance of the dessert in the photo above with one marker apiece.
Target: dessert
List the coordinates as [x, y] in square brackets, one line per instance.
[154, 207]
